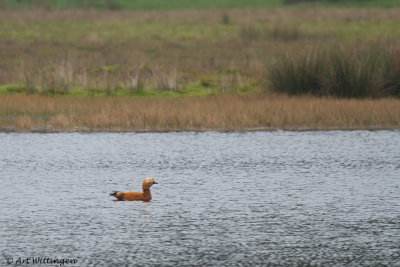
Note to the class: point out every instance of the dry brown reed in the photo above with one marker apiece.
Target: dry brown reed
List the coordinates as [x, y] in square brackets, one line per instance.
[220, 113]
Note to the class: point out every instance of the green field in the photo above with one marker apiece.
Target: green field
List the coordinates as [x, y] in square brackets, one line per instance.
[185, 4]
[198, 52]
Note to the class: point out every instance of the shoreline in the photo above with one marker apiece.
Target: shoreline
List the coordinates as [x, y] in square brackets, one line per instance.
[244, 130]
[219, 113]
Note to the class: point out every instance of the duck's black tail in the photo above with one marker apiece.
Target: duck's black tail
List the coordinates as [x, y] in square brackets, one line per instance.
[114, 193]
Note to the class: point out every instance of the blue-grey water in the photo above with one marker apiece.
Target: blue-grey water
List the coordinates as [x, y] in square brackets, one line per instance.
[223, 199]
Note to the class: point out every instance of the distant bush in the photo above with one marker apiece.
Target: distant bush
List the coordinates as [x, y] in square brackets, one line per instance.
[341, 72]
[299, 75]
[225, 19]
[306, 1]
[297, 1]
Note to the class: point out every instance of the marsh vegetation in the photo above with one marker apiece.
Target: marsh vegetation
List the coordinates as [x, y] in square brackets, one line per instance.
[198, 52]
[322, 51]
[225, 112]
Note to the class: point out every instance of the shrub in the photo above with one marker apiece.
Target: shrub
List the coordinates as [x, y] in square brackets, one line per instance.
[298, 75]
[392, 74]
[372, 71]
[355, 73]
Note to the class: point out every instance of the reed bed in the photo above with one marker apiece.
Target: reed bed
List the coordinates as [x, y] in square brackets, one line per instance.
[217, 113]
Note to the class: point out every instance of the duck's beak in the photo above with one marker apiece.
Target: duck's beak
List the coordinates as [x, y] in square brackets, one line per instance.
[155, 182]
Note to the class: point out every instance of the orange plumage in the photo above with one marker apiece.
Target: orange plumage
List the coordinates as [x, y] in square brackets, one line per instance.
[130, 196]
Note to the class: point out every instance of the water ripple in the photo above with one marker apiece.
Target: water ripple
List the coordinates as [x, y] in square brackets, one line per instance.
[279, 198]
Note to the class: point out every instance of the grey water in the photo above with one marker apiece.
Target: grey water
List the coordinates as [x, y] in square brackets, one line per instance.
[222, 199]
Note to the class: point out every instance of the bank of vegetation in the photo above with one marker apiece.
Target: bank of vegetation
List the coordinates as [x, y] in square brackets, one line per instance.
[314, 53]
[217, 113]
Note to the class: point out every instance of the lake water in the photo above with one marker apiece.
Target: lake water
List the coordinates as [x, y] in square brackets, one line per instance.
[223, 199]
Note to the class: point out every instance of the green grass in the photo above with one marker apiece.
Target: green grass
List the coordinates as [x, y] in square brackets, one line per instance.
[11, 89]
[132, 30]
[109, 29]
[184, 52]
[191, 89]
[183, 4]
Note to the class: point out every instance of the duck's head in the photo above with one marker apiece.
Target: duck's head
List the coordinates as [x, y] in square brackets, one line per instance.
[148, 182]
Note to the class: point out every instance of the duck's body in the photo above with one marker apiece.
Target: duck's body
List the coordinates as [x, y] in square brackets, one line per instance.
[131, 196]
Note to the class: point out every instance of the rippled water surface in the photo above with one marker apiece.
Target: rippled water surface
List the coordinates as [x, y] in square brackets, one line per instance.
[284, 198]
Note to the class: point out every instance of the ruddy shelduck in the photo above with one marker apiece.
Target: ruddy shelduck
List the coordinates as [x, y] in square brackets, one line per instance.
[130, 196]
